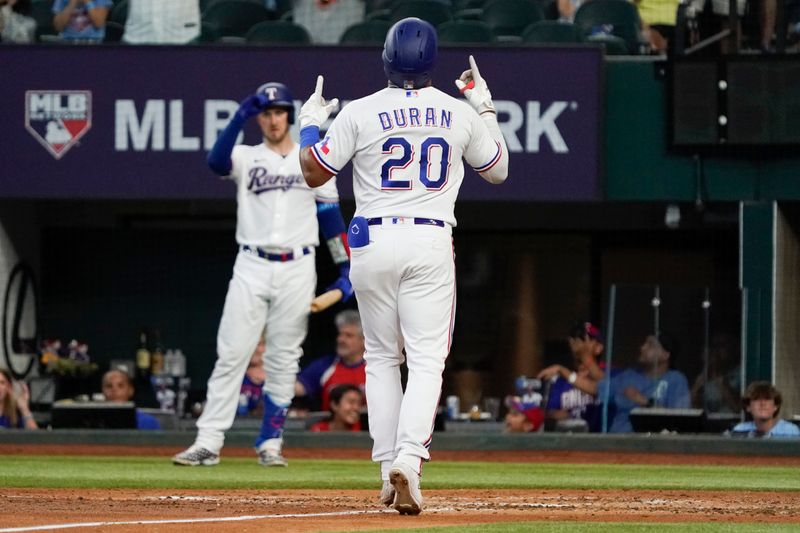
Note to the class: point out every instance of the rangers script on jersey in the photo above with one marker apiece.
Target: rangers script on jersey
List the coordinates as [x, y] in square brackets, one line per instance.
[275, 207]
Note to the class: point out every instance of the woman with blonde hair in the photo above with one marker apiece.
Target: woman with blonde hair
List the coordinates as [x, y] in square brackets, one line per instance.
[14, 409]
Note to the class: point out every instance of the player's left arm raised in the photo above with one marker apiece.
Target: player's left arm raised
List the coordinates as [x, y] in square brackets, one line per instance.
[312, 115]
[474, 88]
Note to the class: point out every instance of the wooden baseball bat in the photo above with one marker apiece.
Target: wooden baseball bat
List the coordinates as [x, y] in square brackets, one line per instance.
[325, 300]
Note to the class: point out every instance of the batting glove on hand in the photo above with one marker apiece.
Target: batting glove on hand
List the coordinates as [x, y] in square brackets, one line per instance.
[316, 110]
[252, 105]
[474, 88]
[343, 283]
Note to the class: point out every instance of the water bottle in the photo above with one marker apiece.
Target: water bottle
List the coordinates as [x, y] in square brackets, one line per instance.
[169, 363]
[179, 366]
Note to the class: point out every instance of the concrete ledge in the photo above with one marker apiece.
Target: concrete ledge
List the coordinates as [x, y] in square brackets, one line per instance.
[638, 443]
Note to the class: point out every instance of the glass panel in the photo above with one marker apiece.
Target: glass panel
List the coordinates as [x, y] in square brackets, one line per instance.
[673, 348]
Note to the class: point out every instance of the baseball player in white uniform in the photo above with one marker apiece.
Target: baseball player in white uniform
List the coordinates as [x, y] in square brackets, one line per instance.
[274, 276]
[406, 142]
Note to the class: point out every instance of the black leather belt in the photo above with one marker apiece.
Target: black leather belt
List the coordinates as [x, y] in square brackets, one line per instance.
[405, 220]
[269, 256]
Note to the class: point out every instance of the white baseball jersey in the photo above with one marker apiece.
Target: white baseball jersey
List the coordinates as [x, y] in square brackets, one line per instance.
[409, 146]
[275, 207]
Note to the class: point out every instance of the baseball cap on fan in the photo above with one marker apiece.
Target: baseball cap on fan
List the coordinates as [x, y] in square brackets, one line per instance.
[528, 406]
[585, 329]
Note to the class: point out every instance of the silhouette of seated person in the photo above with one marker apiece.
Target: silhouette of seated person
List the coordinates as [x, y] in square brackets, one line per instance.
[717, 389]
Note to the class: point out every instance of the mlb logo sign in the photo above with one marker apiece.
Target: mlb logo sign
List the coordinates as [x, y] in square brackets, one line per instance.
[58, 119]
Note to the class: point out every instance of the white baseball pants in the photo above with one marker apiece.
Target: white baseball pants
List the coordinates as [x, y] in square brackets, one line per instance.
[405, 286]
[261, 292]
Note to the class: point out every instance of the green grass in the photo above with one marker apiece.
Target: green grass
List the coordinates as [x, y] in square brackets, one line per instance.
[603, 527]
[158, 473]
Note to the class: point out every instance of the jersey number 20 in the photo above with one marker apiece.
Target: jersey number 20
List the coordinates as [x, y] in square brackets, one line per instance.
[406, 157]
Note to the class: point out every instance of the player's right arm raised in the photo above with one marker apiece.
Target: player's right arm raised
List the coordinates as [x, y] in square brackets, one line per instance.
[219, 158]
[313, 114]
[472, 85]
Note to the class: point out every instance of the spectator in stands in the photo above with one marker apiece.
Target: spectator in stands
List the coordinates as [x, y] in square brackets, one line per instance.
[565, 399]
[651, 384]
[15, 24]
[327, 20]
[15, 410]
[346, 402]
[763, 403]
[524, 415]
[81, 21]
[253, 383]
[720, 394]
[567, 9]
[658, 22]
[319, 378]
[162, 21]
[118, 387]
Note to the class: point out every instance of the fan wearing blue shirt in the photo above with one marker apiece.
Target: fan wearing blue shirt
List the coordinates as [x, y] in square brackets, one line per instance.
[763, 402]
[650, 384]
[118, 387]
[81, 20]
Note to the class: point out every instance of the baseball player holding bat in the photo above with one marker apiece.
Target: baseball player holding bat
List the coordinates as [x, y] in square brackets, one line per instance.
[274, 276]
[407, 143]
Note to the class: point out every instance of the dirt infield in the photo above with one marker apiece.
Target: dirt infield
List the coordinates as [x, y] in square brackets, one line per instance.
[352, 510]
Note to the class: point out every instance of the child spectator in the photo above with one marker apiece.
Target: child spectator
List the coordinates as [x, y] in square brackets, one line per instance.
[345, 408]
[523, 416]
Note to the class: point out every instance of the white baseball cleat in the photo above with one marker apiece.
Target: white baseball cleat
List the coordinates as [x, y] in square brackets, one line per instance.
[387, 493]
[196, 456]
[408, 498]
[271, 457]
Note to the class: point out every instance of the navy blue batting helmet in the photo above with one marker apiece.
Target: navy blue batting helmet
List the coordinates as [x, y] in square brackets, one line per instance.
[278, 95]
[409, 53]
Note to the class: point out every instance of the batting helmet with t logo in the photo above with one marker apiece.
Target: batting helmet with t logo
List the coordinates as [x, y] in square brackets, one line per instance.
[278, 95]
[409, 53]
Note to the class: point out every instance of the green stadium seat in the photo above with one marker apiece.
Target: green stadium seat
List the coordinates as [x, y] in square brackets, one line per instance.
[119, 13]
[42, 12]
[552, 31]
[616, 17]
[366, 33]
[235, 17]
[114, 31]
[208, 34]
[465, 31]
[509, 18]
[612, 45]
[434, 11]
[276, 32]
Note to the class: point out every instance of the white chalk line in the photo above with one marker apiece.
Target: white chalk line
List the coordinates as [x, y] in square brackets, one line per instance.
[196, 520]
[245, 517]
